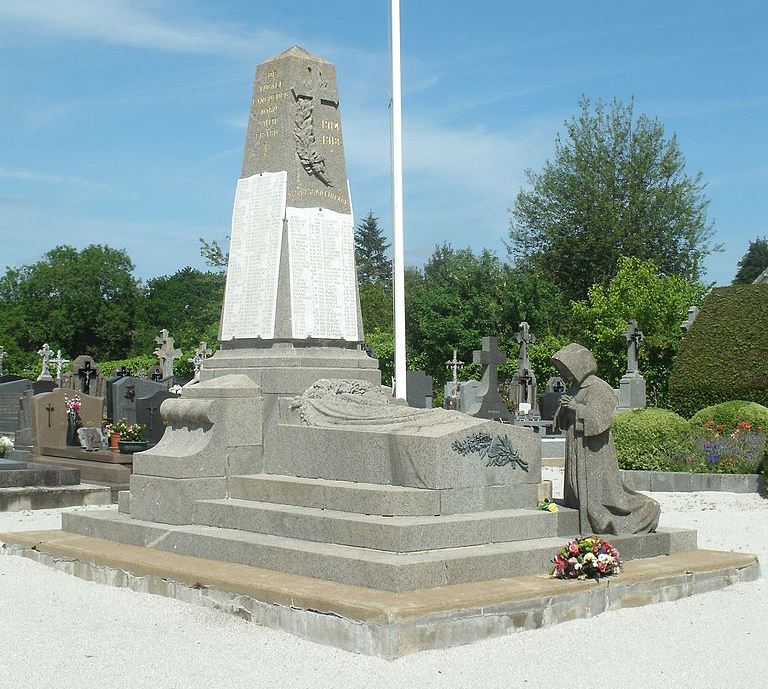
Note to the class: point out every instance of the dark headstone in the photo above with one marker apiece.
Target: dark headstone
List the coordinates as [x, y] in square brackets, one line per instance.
[125, 394]
[9, 378]
[10, 393]
[148, 415]
[41, 386]
[120, 372]
[550, 400]
[419, 387]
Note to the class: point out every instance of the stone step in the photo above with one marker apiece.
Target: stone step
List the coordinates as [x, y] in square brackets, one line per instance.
[52, 497]
[38, 475]
[395, 534]
[98, 472]
[381, 499]
[359, 566]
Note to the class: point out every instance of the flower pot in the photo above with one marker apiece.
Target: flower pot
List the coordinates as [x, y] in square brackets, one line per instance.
[114, 438]
[73, 423]
[128, 447]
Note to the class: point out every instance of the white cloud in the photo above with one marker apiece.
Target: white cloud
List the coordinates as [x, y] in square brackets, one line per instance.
[130, 23]
[35, 176]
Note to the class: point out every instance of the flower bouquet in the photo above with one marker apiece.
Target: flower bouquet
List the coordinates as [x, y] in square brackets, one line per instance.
[588, 558]
[6, 445]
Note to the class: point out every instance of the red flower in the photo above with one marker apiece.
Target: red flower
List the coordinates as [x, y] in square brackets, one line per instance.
[573, 548]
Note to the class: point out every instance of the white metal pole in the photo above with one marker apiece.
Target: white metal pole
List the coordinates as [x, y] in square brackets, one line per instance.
[397, 207]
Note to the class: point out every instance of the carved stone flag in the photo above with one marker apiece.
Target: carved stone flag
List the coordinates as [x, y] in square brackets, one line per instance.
[291, 273]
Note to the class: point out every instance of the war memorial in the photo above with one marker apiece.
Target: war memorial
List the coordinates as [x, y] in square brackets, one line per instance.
[291, 488]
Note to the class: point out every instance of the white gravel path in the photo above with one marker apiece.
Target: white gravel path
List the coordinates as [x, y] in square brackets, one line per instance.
[57, 632]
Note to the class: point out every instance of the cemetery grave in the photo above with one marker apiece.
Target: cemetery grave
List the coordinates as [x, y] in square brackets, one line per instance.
[289, 480]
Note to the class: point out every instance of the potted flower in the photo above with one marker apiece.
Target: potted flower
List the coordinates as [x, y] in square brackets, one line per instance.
[6, 445]
[74, 422]
[115, 432]
[131, 439]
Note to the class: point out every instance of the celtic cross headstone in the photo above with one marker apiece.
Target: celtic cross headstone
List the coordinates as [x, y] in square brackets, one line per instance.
[46, 353]
[167, 353]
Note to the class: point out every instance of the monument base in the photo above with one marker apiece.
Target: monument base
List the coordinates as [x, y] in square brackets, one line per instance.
[375, 622]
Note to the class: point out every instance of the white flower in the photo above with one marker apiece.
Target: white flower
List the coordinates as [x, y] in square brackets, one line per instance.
[577, 566]
[6, 443]
[589, 557]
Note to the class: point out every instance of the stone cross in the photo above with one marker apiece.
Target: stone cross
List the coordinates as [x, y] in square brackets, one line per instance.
[166, 352]
[526, 383]
[201, 354]
[492, 358]
[454, 365]
[688, 322]
[634, 336]
[60, 364]
[85, 374]
[46, 352]
[2, 356]
[491, 404]
[524, 337]
[49, 408]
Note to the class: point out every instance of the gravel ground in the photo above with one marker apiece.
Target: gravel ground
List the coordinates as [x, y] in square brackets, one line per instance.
[57, 631]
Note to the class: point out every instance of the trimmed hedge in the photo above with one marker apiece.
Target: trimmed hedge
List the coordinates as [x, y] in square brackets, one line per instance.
[725, 355]
[645, 439]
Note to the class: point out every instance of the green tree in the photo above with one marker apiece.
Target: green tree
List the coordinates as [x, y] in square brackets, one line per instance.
[373, 266]
[83, 302]
[213, 254]
[752, 263]
[187, 303]
[658, 302]
[616, 187]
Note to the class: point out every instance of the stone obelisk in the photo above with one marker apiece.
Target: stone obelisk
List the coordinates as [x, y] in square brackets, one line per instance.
[291, 275]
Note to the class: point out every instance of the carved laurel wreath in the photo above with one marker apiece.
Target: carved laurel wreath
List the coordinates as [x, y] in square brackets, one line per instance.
[306, 145]
[497, 449]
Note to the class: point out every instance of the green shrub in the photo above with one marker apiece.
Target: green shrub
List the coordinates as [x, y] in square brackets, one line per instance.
[725, 355]
[646, 439]
[731, 413]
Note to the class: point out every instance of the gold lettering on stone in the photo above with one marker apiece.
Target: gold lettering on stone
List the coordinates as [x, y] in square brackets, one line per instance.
[322, 193]
[267, 134]
[331, 140]
[268, 111]
[269, 122]
[327, 124]
[274, 86]
[271, 98]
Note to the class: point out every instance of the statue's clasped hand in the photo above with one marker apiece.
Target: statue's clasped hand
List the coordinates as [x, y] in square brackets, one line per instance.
[568, 402]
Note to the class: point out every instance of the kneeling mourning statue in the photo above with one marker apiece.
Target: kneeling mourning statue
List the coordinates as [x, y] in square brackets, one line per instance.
[592, 482]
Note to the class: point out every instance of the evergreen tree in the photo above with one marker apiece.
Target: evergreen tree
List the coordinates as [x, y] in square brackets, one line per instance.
[616, 187]
[373, 266]
[752, 263]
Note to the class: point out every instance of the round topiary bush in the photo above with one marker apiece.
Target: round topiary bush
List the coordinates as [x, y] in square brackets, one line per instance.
[731, 413]
[646, 439]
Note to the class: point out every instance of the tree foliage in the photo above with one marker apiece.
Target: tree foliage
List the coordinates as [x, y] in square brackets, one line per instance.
[187, 303]
[616, 187]
[373, 266]
[753, 262]
[83, 302]
[658, 302]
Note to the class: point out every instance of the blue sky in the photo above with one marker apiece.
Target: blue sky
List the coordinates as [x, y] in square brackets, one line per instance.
[122, 122]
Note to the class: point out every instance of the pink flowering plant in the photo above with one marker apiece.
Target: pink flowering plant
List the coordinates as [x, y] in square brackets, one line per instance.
[587, 558]
[73, 405]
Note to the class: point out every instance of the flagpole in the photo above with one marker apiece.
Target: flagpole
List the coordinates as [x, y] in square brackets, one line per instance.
[397, 207]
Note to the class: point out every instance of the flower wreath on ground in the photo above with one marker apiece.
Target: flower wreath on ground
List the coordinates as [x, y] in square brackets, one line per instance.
[587, 558]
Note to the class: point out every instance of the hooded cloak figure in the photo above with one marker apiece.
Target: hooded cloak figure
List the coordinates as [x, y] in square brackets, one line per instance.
[593, 483]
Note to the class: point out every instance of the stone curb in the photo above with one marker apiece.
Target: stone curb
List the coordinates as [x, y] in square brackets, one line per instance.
[381, 623]
[686, 482]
